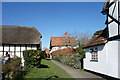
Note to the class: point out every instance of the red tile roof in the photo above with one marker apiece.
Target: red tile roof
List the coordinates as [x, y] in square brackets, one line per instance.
[61, 41]
[100, 39]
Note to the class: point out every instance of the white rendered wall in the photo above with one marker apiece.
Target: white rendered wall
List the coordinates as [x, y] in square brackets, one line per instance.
[1, 49]
[34, 47]
[115, 14]
[11, 51]
[18, 50]
[15, 50]
[6, 47]
[112, 58]
[0, 54]
[107, 59]
[28, 47]
[113, 29]
[54, 49]
[23, 47]
[113, 26]
[99, 66]
[119, 58]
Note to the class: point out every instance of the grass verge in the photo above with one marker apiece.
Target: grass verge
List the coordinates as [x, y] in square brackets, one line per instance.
[48, 71]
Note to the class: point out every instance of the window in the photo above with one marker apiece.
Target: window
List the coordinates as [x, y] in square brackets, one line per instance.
[94, 54]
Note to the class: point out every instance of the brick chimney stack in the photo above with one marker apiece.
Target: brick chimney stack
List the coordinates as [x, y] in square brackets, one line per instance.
[66, 34]
[17, 25]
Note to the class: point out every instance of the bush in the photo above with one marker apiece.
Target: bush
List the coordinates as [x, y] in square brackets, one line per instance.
[72, 60]
[57, 57]
[12, 67]
[32, 57]
[77, 61]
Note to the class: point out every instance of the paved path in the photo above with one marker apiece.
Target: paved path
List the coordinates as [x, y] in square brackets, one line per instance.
[75, 73]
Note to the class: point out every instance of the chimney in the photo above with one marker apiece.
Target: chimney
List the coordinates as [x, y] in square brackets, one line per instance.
[17, 25]
[66, 34]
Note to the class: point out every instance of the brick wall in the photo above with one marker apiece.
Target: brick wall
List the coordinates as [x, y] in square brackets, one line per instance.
[66, 51]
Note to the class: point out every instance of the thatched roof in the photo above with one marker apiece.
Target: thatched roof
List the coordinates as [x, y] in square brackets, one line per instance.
[19, 35]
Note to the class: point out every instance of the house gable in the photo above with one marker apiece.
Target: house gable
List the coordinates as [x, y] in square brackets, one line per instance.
[111, 9]
[98, 40]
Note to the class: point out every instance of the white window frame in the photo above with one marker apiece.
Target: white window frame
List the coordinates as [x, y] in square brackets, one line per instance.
[94, 54]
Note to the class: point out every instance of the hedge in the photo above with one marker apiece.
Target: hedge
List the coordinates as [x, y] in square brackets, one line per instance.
[32, 57]
[72, 60]
[12, 68]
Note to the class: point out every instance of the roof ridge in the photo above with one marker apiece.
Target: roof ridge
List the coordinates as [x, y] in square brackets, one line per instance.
[17, 26]
[20, 35]
[62, 37]
[101, 32]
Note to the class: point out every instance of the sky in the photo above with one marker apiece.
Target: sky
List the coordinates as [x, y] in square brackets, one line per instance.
[53, 19]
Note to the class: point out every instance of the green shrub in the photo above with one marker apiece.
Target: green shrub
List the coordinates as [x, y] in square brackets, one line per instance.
[32, 57]
[63, 60]
[77, 61]
[12, 67]
[57, 57]
[72, 60]
[71, 63]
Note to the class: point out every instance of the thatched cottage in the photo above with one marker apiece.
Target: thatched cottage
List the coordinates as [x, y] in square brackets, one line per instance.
[16, 39]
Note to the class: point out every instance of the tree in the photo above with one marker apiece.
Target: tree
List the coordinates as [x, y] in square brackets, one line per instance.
[82, 39]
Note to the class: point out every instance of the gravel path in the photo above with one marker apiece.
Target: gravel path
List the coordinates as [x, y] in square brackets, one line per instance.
[76, 73]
